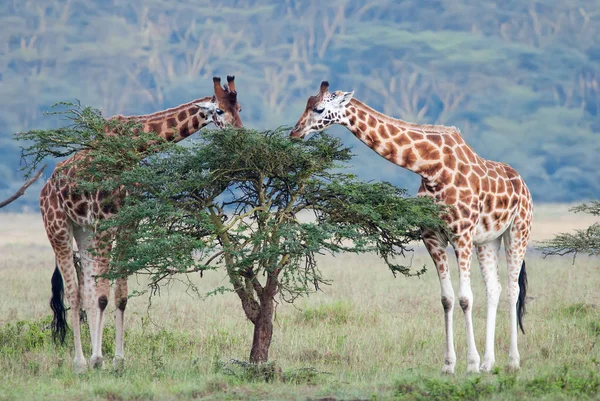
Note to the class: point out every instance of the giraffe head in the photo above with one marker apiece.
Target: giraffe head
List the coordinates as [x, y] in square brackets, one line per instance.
[227, 109]
[321, 111]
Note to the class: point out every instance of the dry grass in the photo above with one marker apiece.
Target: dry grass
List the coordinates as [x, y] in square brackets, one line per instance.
[368, 329]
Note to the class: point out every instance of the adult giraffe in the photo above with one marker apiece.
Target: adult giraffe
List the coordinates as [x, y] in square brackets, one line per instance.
[489, 202]
[70, 213]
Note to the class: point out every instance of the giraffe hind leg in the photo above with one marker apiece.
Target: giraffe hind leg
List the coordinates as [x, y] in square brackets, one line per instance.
[487, 254]
[515, 243]
[61, 239]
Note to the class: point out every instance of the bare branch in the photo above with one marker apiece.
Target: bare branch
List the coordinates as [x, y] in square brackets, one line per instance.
[22, 190]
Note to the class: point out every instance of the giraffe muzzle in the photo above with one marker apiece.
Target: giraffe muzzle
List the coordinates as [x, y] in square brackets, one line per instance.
[296, 133]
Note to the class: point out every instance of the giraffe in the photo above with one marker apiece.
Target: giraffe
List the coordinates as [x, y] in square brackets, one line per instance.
[69, 213]
[489, 202]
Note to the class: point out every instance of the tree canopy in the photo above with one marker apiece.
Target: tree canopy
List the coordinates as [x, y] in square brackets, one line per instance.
[520, 79]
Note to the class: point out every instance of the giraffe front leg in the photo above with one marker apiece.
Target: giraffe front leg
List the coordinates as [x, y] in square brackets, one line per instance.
[488, 262]
[465, 299]
[100, 302]
[121, 303]
[437, 249]
[95, 288]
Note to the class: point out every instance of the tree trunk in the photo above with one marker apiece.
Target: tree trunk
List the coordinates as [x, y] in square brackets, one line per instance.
[263, 331]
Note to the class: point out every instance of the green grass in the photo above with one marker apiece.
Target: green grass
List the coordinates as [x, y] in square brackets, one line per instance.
[367, 336]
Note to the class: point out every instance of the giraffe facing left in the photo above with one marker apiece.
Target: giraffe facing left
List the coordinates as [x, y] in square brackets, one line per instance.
[69, 213]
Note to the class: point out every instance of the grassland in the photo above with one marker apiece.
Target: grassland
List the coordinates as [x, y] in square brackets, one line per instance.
[367, 336]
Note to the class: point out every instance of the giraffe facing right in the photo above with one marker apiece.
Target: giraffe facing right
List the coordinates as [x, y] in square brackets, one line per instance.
[489, 202]
[70, 213]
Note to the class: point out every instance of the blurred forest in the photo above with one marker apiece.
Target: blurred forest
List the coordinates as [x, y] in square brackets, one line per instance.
[519, 78]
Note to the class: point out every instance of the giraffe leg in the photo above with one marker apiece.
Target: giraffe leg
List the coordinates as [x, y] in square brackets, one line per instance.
[60, 234]
[121, 303]
[464, 254]
[95, 288]
[488, 261]
[515, 244]
[437, 249]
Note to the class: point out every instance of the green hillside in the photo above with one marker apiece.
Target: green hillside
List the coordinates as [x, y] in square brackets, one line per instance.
[519, 78]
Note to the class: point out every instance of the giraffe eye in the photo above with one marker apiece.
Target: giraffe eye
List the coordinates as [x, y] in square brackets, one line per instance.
[318, 110]
[219, 111]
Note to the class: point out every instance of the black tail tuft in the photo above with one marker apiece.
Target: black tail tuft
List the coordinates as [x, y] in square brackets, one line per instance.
[522, 295]
[59, 321]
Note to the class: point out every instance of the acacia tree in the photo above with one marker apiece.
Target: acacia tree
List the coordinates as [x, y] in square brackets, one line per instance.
[236, 200]
[233, 202]
[585, 241]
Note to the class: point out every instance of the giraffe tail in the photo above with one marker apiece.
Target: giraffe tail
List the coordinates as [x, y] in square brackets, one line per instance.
[522, 295]
[59, 320]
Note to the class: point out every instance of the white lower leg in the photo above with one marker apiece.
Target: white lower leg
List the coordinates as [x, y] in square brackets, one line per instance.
[465, 299]
[79, 362]
[119, 340]
[488, 262]
[513, 354]
[448, 305]
[96, 359]
[121, 303]
[489, 357]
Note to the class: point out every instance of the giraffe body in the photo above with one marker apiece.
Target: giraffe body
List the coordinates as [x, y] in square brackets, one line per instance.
[489, 203]
[70, 213]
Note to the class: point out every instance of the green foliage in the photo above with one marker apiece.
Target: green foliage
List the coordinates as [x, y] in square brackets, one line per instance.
[234, 197]
[560, 383]
[519, 78]
[586, 241]
[24, 336]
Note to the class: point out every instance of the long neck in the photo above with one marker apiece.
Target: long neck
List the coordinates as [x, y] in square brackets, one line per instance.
[173, 124]
[428, 150]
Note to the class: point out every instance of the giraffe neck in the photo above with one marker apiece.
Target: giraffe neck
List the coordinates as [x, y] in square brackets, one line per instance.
[173, 124]
[427, 150]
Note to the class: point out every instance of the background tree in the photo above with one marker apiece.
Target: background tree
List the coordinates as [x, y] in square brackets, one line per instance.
[581, 241]
[257, 204]
[520, 79]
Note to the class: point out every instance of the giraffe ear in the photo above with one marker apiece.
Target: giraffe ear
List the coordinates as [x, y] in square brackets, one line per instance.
[344, 98]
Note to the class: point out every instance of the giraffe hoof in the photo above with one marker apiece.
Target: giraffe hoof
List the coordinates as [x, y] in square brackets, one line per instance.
[80, 366]
[448, 369]
[119, 362]
[97, 362]
[473, 368]
[487, 366]
[513, 367]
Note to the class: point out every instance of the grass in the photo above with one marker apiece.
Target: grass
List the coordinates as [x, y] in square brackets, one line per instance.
[368, 336]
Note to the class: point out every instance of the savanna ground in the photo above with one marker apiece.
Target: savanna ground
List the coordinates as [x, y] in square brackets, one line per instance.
[367, 336]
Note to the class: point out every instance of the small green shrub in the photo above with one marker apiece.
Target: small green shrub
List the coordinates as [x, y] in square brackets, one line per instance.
[25, 335]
